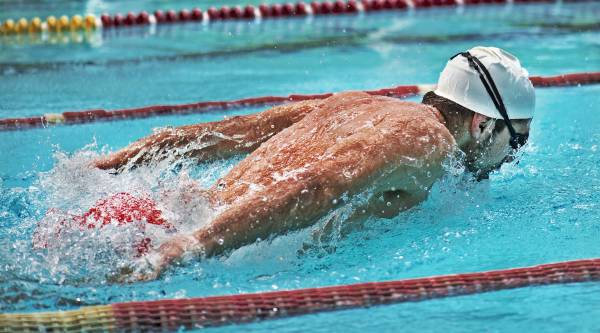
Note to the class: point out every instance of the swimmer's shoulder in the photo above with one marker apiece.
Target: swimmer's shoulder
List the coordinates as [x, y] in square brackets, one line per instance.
[358, 99]
[417, 129]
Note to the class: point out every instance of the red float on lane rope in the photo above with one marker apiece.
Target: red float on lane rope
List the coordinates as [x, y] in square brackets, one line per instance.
[196, 14]
[171, 16]
[143, 18]
[159, 15]
[276, 10]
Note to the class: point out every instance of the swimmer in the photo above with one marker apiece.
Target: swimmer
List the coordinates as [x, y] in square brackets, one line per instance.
[303, 158]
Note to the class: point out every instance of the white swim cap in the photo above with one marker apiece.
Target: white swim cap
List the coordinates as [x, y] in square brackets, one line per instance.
[461, 84]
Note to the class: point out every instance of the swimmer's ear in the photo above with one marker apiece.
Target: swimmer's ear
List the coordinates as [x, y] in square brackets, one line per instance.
[479, 124]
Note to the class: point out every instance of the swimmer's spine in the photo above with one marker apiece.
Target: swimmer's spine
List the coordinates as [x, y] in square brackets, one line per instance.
[78, 117]
[249, 12]
[172, 315]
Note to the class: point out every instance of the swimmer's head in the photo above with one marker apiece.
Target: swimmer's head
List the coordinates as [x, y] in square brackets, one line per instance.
[488, 102]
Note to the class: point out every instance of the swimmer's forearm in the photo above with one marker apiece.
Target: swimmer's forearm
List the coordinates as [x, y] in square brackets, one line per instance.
[201, 142]
[222, 139]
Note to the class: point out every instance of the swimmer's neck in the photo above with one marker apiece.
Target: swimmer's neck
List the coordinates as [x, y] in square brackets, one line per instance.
[455, 125]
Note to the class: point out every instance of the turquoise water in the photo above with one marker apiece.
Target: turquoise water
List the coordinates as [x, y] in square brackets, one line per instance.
[544, 209]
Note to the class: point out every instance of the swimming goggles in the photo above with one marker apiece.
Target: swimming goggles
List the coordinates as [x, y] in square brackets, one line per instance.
[517, 140]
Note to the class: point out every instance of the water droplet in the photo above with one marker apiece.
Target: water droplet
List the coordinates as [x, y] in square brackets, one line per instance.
[220, 241]
[334, 201]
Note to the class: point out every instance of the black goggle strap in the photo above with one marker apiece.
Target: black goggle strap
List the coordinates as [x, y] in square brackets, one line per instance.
[516, 139]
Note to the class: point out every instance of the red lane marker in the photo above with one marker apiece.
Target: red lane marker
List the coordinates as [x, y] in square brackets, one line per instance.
[160, 17]
[171, 16]
[242, 308]
[22, 122]
[249, 12]
[75, 117]
[185, 15]
[292, 9]
[196, 14]
[106, 20]
[143, 18]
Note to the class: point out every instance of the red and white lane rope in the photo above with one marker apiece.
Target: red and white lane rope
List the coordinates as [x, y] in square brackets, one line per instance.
[173, 314]
[249, 12]
[77, 117]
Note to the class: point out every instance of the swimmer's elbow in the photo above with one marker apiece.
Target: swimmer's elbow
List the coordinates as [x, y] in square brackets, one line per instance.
[110, 162]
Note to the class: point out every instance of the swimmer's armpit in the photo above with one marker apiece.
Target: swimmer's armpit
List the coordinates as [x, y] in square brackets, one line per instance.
[391, 203]
[207, 141]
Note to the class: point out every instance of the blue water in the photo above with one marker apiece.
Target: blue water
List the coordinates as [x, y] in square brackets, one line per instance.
[544, 209]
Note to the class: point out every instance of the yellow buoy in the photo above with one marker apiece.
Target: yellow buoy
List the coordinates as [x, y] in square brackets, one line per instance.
[63, 23]
[90, 22]
[76, 22]
[51, 22]
[35, 25]
[22, 25]
[8, 26]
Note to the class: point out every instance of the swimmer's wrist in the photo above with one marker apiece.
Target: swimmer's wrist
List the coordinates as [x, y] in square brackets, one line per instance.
[206, 245]
[192, 246]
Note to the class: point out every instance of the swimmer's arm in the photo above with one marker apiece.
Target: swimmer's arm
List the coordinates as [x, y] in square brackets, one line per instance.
[256, 219]
[206, 141]
[279, 210]
[377, 206]
[399, 201]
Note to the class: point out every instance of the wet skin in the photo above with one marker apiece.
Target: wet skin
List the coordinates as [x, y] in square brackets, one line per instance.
[303, 158]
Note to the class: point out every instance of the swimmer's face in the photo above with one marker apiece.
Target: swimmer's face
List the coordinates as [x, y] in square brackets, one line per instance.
[490, 147]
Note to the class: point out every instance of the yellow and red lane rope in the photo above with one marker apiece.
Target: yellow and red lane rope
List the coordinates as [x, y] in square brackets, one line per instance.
[76, 117]
[173, 314]
[249, 12]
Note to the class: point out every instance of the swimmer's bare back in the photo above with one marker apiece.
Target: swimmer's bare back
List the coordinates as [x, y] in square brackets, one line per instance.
[303, 158]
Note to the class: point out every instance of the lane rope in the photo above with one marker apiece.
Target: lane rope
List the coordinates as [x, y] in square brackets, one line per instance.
[87, 116]
[172, 314]
[249, 12]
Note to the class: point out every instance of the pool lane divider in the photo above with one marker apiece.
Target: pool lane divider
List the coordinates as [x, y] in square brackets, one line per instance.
[87, 116]
[249, 12]
[173, 314]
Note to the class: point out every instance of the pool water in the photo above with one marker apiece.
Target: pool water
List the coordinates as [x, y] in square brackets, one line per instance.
[543, 209]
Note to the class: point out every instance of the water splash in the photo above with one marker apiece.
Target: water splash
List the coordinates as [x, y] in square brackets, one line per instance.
[72, 254]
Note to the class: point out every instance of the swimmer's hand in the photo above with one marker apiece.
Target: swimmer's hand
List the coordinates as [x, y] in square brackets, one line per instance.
[150, 266]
